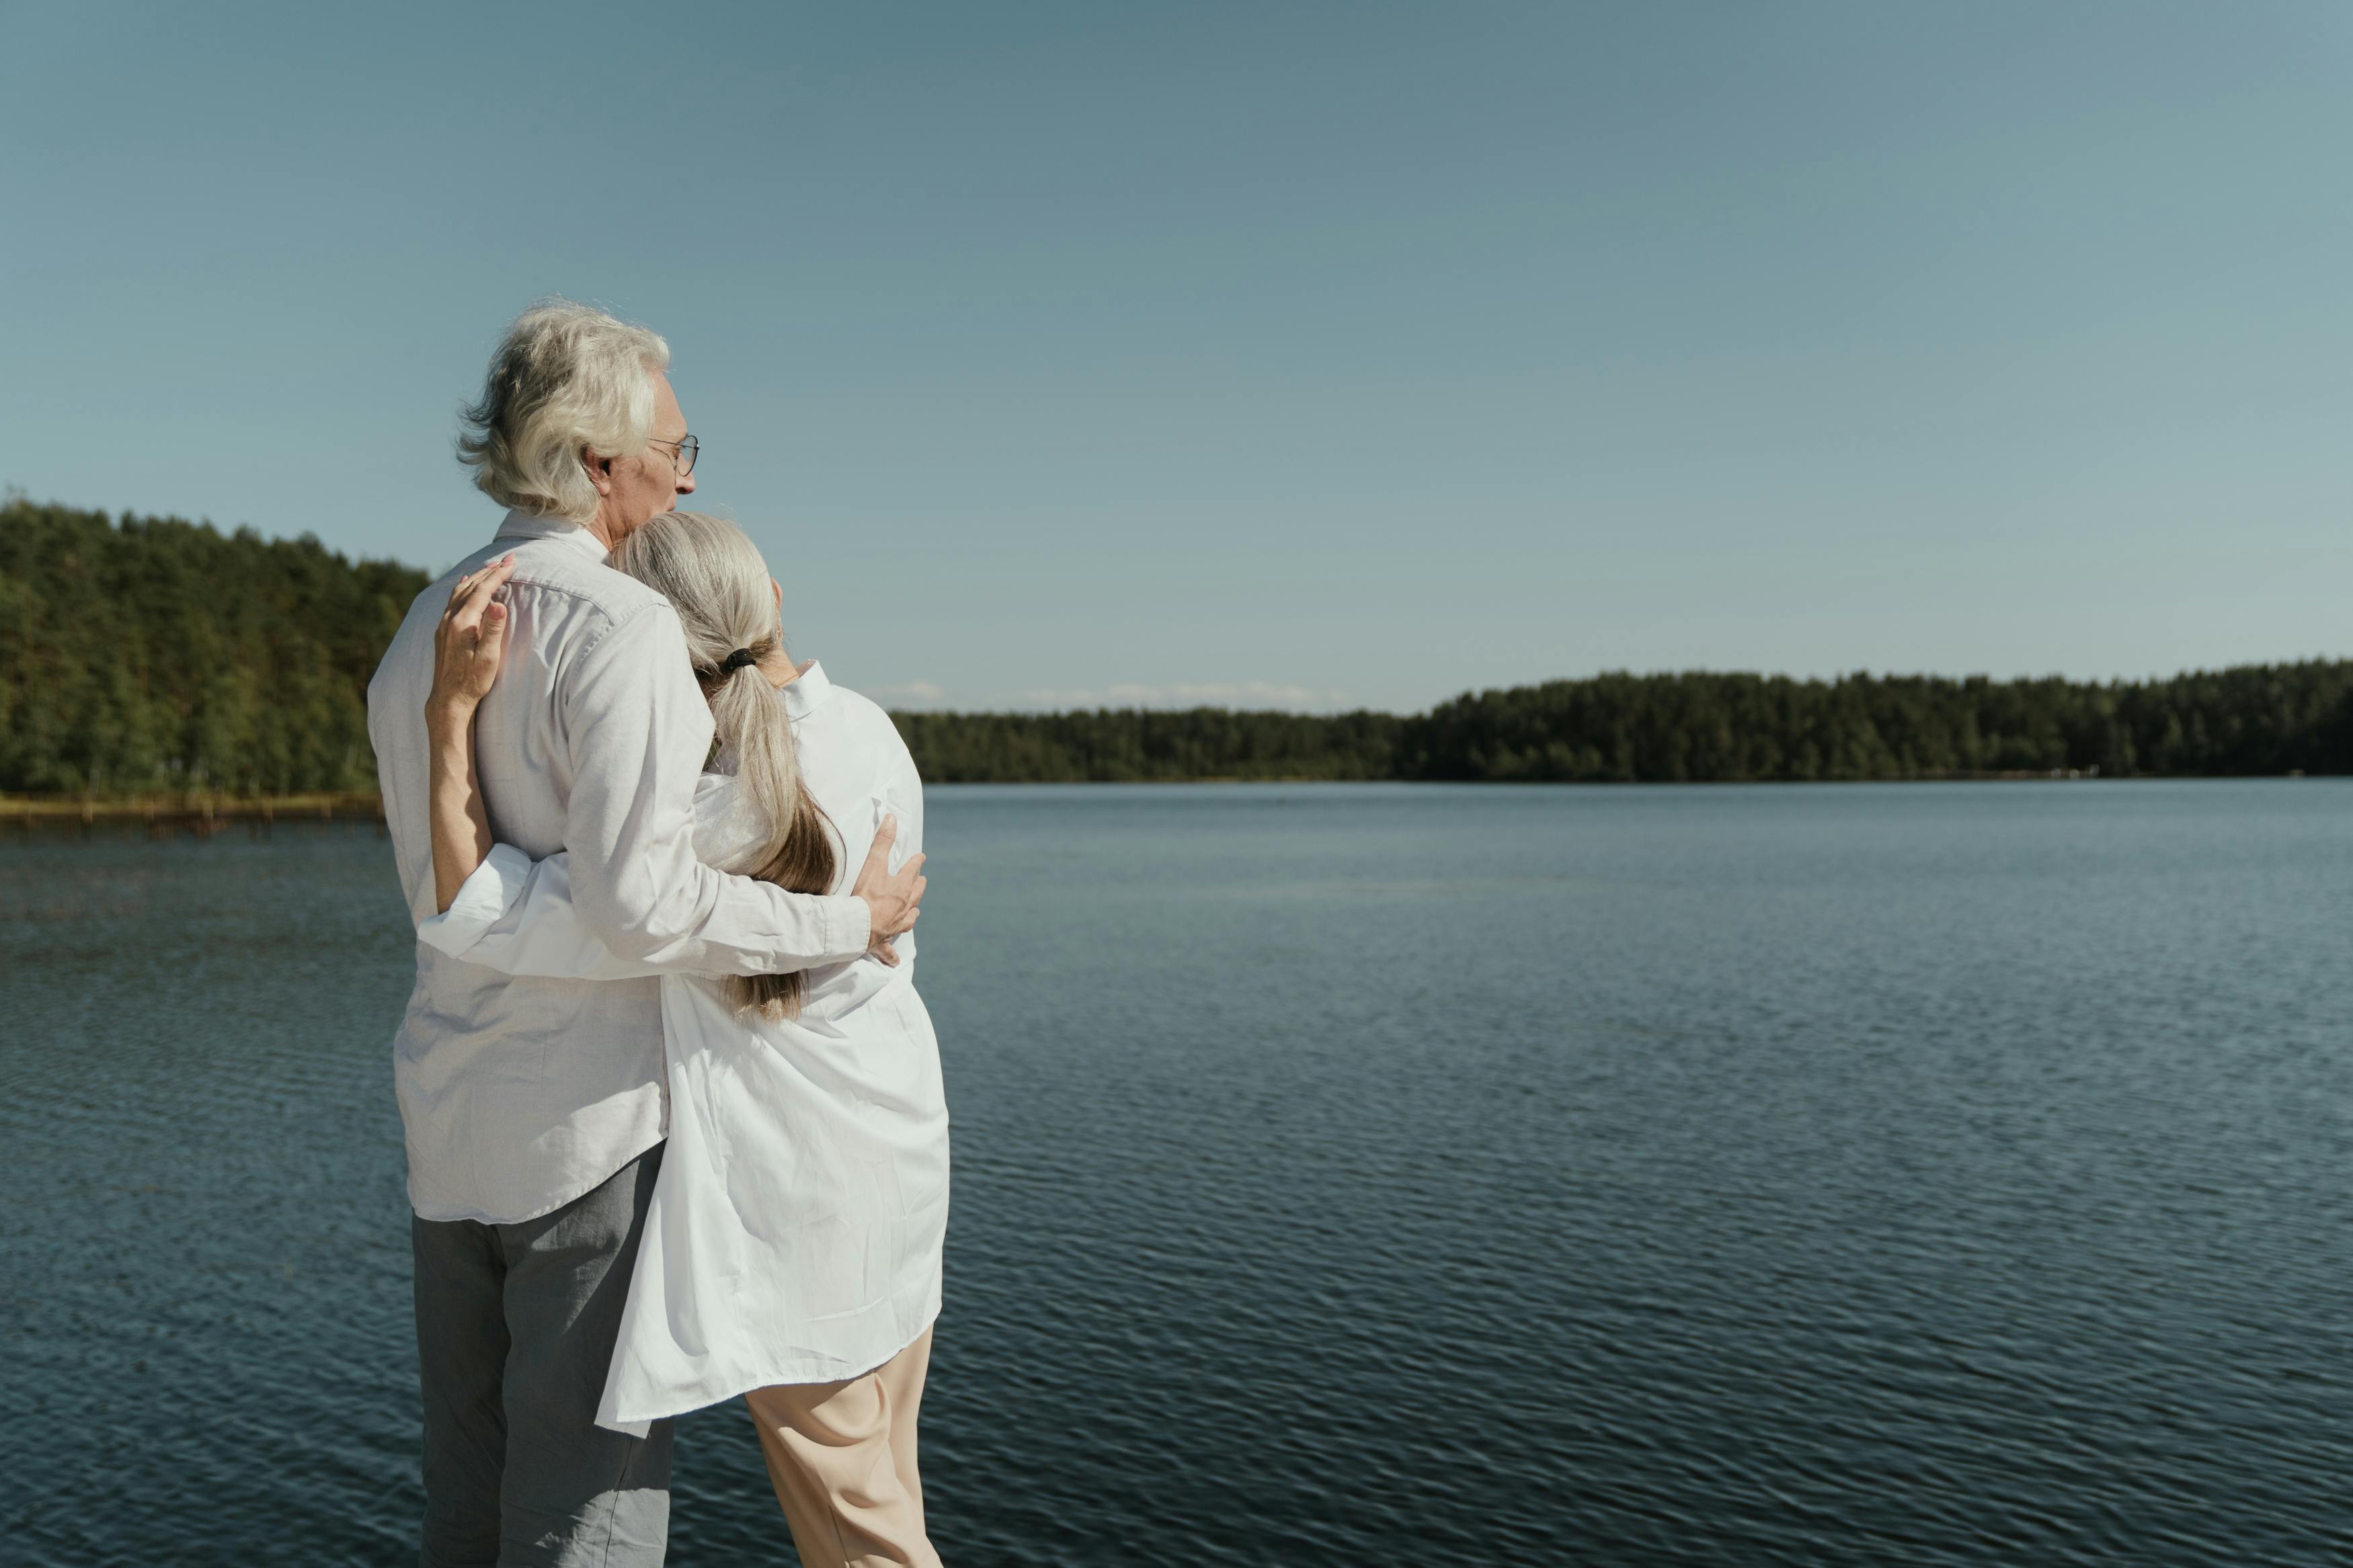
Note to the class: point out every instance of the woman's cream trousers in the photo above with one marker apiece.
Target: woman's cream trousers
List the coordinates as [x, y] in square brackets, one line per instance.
[842, 1455]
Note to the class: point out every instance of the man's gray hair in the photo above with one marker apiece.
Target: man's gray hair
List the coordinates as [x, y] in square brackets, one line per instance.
[566, 376]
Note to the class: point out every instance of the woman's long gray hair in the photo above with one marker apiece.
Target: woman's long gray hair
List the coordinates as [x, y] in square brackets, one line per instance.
[714, 578]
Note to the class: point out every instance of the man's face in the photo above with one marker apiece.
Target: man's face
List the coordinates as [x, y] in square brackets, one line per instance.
[647, 485]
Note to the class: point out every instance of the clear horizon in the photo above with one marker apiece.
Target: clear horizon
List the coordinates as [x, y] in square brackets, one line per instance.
[1261, 696]
[1295, 356]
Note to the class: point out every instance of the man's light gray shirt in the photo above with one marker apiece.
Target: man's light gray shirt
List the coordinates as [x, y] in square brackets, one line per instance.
[519, 1094]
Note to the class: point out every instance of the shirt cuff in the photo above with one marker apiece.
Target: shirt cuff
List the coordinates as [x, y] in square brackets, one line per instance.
[483, 898]
[851, 921]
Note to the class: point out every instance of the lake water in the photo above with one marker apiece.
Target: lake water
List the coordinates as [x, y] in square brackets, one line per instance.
[1847, 1175]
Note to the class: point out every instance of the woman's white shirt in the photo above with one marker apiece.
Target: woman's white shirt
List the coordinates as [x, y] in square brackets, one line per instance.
[796, 1229]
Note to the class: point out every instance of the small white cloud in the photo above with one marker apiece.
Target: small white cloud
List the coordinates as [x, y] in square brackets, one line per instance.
[908, 694]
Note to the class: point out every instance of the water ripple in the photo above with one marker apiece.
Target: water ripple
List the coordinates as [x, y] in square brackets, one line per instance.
[1845, 1176]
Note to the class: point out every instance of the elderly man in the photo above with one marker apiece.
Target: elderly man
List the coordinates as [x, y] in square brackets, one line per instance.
[533, 1107]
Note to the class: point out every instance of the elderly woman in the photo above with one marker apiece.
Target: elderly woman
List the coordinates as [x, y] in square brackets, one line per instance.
[533, 1104]
[792, 1248]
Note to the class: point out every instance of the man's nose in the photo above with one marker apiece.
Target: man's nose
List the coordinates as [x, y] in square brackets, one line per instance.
[686, 484]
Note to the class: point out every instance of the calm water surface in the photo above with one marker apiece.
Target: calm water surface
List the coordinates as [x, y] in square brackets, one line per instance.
[1924, 1174]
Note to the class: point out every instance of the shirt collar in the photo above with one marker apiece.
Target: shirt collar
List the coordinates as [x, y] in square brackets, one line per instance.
[531, 525]
[805, 694]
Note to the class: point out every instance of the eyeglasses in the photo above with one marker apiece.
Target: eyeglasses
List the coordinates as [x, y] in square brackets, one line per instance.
[684, 451]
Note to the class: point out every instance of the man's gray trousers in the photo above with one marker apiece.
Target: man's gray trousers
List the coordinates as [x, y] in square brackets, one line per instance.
[515, 1325]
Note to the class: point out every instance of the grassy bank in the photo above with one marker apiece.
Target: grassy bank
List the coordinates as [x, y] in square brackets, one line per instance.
[199, 813]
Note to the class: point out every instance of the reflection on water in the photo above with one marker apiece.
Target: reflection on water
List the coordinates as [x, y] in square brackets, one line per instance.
[1931, 1175]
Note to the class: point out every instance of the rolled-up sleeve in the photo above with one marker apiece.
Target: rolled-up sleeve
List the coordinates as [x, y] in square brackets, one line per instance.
[637, 732]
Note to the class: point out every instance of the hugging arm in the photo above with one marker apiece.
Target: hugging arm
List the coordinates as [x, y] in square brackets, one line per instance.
[628, 896]
[467, 648]
[520, 916]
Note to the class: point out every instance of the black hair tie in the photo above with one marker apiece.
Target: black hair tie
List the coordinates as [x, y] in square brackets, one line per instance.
[737, 660]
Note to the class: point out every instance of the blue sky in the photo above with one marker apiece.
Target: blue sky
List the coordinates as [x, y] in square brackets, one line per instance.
[1273, 354]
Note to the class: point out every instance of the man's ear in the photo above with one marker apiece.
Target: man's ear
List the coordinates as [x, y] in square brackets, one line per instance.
[599, 471]
[776, 590]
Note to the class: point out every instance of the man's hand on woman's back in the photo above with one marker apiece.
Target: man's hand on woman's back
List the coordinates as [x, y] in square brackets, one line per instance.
[894, 897]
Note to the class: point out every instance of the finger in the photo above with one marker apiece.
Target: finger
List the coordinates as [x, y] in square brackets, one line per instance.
[488, 582]
[888, 954]
[468, 611]
[491, 651]
[477, 574]
[496, 573]
[458, 596]
[876, 871]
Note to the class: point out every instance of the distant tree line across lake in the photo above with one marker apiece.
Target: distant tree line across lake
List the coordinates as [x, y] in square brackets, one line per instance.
[153, 654]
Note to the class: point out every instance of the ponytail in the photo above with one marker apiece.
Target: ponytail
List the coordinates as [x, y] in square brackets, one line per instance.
[798, 853]
[713, 577]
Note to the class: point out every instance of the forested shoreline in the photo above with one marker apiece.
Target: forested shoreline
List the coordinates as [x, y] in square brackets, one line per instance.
[152, 654]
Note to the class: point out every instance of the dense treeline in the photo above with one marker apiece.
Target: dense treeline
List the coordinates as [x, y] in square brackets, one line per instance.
[164, 655]
[2261, 718]
[1701, 728]
[156, 654]
[1136, 745]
